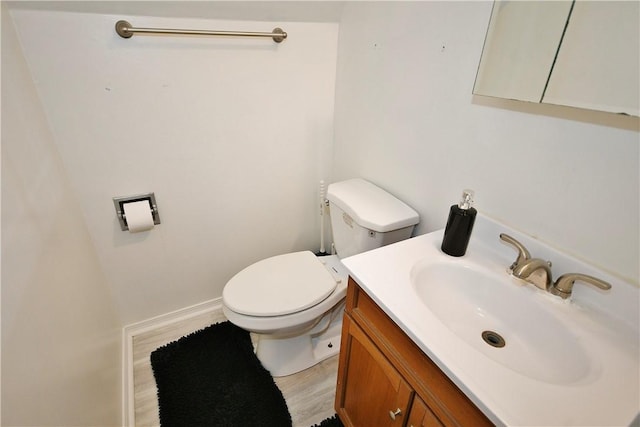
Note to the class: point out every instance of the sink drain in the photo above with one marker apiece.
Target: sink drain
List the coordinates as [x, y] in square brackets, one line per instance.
[494, 339]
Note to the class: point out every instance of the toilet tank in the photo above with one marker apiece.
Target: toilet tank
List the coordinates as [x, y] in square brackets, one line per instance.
[365, 217]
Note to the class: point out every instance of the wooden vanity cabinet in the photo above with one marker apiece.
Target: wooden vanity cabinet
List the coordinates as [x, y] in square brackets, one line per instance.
[421, 416]
[384, 379]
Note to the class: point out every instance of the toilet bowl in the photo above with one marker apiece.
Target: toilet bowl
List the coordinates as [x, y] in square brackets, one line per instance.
[284, 294]
[293, 303]
[295, 309]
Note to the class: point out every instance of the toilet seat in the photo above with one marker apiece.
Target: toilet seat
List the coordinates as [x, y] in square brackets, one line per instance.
[279, 285]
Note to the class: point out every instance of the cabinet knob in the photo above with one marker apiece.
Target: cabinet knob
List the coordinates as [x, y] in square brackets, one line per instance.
[393, 414]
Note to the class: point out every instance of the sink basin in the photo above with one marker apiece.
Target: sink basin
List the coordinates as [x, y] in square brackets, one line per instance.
[469, 301]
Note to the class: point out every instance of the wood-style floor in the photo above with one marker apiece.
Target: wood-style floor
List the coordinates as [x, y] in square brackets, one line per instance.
[309, 394]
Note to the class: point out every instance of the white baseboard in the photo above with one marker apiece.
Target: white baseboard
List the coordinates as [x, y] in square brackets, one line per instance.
[129, 331]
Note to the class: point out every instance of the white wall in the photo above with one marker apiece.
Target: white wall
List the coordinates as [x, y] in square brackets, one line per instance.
[60, 330]
[232, 135]
[406, 120]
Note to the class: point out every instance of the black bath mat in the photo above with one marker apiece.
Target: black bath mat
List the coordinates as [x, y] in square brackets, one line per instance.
[330, 422]
[213, 378]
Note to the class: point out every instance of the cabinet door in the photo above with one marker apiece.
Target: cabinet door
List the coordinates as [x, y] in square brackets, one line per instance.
[370, 390]
[421, 416]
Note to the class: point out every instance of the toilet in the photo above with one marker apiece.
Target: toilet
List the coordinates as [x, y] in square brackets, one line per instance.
[293, 303]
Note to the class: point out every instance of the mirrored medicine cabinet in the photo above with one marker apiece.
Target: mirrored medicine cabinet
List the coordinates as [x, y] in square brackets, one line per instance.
[579, 53]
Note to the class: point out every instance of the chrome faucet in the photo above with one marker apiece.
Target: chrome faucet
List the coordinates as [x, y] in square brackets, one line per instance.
[533, 270]
[538, 272]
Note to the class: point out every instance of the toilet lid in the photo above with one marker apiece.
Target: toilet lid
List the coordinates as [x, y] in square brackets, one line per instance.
[279, 285]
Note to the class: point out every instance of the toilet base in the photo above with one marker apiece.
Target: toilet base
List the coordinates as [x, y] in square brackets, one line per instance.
[287, 356]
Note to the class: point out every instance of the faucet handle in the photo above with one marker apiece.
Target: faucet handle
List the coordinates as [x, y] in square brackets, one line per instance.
[523, 253]
[564, 285]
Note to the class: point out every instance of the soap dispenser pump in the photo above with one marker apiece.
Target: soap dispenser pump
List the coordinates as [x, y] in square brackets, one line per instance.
[459, 226]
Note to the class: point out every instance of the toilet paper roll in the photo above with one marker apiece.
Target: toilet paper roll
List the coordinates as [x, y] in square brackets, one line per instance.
[138, 216]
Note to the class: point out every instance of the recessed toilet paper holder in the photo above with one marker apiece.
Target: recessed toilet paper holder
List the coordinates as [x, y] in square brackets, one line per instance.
[119, 203]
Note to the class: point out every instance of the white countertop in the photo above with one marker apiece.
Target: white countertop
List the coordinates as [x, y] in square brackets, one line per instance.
[608, 394]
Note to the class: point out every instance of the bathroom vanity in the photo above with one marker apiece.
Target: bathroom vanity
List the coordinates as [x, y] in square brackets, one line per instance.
[384, 378]
[434, 340]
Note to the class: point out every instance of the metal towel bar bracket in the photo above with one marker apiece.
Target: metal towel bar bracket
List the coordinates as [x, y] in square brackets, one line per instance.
[125, 30]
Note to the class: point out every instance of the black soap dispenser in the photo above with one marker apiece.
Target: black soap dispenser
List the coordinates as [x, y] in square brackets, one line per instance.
[459, 226]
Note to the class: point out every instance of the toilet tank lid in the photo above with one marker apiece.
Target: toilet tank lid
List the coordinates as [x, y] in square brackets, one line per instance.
[370, 206]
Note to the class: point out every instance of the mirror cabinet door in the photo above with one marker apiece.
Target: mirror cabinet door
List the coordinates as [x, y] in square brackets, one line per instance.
[598, 64]
[519, 49]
